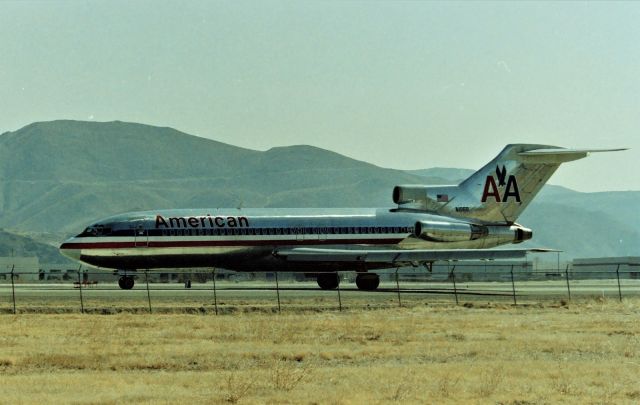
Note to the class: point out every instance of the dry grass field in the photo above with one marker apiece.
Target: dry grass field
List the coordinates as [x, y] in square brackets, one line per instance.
[585, 352]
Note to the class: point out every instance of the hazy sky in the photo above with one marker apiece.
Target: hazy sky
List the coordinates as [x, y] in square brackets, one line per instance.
[404, 85]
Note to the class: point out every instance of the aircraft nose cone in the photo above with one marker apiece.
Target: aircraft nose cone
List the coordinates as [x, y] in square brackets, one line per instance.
[69, 250]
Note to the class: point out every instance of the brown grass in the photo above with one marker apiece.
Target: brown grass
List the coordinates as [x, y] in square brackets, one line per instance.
[573, 353]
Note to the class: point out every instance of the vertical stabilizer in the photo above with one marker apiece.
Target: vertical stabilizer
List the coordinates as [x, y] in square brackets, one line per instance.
[505, 186]
[497, 193]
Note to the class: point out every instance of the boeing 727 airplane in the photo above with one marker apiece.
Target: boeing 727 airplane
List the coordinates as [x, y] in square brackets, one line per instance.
[429, 223]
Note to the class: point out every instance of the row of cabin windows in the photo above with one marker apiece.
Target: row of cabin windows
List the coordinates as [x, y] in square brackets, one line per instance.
[281, 231]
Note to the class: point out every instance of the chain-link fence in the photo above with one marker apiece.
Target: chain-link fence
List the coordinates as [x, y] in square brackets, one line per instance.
[218, 291]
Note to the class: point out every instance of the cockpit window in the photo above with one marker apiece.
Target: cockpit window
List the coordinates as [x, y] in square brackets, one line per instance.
[96, 230]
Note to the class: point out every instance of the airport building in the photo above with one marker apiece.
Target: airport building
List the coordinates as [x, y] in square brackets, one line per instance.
[607, 267]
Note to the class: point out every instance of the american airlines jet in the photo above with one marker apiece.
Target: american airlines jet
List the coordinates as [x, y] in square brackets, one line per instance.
[429, 223]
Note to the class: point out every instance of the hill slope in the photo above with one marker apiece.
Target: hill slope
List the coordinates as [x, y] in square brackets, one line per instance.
[64, 174]
[19, 245]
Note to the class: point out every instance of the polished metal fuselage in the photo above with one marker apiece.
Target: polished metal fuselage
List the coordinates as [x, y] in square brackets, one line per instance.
[246, 239]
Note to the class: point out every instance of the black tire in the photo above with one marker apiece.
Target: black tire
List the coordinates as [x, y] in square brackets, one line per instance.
[328, 281]
[367, 281]
[126, 282]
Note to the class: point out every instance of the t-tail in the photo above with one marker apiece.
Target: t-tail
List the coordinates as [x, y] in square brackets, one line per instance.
[500, 191]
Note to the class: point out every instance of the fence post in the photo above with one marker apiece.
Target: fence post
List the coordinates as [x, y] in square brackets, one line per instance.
[566, 273]
[618, 275]
[146, 276]
[80, 288]
[513, 286]
[339, 299]
[277, 290]
[215, 298]
[455, 288]
[398, 287]
[13, 290]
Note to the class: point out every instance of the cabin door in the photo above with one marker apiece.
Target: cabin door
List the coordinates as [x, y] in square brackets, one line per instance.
[141, 236]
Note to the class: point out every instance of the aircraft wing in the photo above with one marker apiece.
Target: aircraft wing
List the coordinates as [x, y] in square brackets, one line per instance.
[398, 256]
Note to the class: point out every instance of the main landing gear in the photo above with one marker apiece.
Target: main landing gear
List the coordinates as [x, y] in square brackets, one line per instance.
[364, 281]
[367, 281]
[328, 281]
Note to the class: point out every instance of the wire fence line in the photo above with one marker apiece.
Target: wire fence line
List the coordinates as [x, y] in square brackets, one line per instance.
[217, 291]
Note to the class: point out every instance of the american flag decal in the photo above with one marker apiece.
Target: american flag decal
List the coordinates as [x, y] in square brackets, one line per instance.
[443, 197]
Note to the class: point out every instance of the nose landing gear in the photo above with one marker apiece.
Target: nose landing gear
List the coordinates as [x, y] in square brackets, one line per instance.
[126, 282]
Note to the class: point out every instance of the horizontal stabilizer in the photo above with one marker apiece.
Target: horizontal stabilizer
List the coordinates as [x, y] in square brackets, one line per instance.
[559, 155]
[400, 256]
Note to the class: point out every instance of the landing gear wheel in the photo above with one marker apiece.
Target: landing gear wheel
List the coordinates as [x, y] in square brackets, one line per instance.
[126, 282]
[328, 281]
[367, 281]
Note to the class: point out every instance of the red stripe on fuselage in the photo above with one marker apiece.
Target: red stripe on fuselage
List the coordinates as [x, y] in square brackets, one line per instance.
[212, 243]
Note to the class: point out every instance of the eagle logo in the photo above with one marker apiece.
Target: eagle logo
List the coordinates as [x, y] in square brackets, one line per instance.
[509, 183]
[501, 175]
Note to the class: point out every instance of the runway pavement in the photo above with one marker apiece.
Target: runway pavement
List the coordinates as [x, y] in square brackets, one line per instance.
[300, 296]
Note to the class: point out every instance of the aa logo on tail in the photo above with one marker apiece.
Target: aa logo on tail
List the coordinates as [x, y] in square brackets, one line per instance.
[510, 186]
